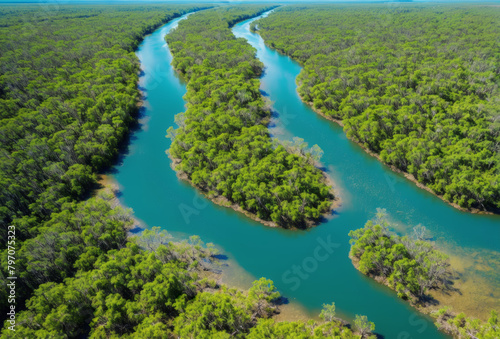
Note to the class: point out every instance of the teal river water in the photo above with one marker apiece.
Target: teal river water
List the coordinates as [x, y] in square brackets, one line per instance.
[151, 188]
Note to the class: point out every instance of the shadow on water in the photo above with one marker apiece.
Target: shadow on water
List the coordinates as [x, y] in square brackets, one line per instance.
[281, 301]
[263, 93]
[127, 143]
[220, 256]
[136, 230]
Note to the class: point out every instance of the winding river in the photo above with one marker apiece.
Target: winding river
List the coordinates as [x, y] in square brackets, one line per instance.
[308, 267]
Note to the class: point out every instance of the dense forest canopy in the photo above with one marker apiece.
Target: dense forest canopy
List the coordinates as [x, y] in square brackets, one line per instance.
[132, 293]
[417, 84]
[68, 91]
[68, 94]
[222, 142]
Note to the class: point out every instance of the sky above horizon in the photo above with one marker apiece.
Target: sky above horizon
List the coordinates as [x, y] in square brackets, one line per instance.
[66, 2]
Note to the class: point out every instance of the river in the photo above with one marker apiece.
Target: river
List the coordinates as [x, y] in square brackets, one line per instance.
[308, 267]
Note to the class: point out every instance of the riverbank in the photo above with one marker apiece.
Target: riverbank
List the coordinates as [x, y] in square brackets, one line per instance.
[230, 273]
[426, 308]
[110, 187]
[224, 202]
[407, 175]
[437, 305]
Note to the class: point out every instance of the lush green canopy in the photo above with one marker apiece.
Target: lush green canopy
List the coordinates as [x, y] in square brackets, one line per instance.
[222, 142]
[418, 84]
[68, 94]
[411, 265]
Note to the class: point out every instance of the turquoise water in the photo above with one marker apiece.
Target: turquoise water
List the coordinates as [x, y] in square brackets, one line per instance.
[309, 267]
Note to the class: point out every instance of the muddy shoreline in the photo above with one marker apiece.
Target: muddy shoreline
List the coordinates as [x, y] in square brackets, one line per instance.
[426, 309]
[109, 186]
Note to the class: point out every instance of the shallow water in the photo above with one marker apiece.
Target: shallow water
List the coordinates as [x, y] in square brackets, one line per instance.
[158, 198]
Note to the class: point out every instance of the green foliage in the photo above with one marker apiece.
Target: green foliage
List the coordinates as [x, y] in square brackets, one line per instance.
[263, 289]
[70, 82]
[328, 312]
[222, 142]
[463, 327]
[132, 293]
[68, 94]
[211, 313]
[411, 266]
[151, 239]
[129, 292]
[363, 326]
[417, 84]
[268, 328]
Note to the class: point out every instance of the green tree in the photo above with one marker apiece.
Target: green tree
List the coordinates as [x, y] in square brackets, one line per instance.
[363, 326]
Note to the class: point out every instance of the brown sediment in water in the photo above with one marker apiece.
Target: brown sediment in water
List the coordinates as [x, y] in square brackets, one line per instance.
[471, 293]
[478, 293]
[293, 311]
[477, 273]
[236, 277]
[140, 101]
[407, 175]
[471, 299]
[223, 201]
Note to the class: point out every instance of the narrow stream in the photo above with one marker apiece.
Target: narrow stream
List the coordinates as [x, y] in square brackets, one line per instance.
[309, 267]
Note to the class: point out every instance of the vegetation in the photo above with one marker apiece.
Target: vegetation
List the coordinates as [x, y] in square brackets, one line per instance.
[222, 143]
[363, 326]
[133, 293]
[331, 327]
[164, 292]
[463, 328]
[68, 93]
[410, 265]
[67, 98]
[417, 84]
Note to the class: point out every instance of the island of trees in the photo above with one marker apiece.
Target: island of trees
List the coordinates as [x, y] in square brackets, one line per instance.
[222, 143]
[409, 265]
[412, 266]
[414, 84]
